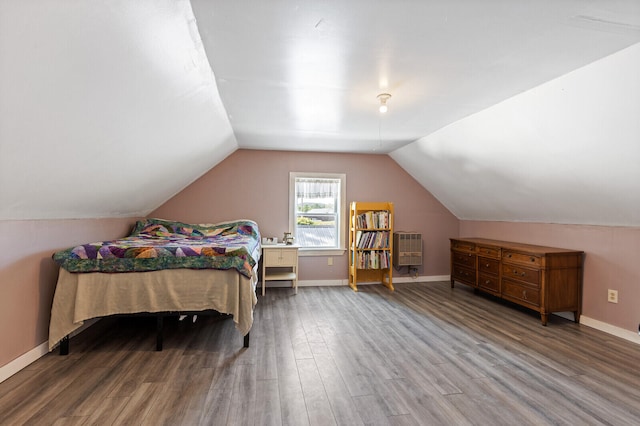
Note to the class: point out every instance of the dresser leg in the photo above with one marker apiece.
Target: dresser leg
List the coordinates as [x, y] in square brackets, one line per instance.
[452, 280]
[544, 318]
[576, 317]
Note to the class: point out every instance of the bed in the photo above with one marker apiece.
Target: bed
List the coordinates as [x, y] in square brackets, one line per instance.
[163, 267]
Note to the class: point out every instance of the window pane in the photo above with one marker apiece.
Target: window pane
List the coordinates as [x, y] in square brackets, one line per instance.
[317, 203]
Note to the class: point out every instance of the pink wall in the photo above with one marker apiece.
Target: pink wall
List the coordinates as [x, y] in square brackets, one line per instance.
[260, 193]
[255, 185]
[610, 262]
[28, 275]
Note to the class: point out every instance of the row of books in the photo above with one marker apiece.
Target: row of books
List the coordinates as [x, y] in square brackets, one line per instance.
[372, 239]
[373, 219]
[372, 260]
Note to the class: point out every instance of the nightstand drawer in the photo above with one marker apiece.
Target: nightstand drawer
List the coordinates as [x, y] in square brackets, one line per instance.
[281, 257]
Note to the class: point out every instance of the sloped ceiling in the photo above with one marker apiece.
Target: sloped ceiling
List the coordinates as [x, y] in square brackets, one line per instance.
[567, 151]
[109, 108]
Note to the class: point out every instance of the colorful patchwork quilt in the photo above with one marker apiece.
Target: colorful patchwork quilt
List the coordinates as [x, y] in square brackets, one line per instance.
[156, 244]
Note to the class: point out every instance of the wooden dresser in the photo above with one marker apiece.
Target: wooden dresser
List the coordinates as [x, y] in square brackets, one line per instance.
[545, 279]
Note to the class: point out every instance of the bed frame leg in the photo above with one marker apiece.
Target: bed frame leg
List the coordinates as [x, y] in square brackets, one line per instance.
[64, 345]
[159, 327]
[246, 340]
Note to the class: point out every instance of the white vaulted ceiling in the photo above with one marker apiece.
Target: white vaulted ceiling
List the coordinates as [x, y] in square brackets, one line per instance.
[566, 151]
[107, 108]
[110, 108]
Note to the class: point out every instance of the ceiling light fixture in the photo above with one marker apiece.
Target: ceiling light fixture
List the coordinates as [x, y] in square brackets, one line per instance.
[384, 97]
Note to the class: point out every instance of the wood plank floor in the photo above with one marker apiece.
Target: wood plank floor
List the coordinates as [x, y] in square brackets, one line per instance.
[422, 355]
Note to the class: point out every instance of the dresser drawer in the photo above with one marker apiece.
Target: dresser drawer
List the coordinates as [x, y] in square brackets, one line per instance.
[280, 257]
[523, 258]
[491, 266]
[489, 251]
[521, 292]
[521, 273]
[464, 259]
[463, 246]
[464, 275]
[489, 282]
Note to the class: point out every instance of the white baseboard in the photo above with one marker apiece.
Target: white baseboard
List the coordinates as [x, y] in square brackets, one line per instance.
[23, 361]
[305, 283]
[423, 279]
[631, 336]
[330, 283]
[34, 354]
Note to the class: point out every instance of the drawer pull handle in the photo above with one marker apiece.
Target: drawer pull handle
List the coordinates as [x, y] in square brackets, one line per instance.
[524, 294]
[522, 274]
[487, 282]
[469, 255]
[509, 255]
[533, 259]
[487, 265]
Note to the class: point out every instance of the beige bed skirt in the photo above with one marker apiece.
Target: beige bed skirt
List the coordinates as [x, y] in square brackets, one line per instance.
[82, 296]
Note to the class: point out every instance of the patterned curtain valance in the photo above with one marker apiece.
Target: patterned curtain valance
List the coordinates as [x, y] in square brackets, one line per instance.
[317, 188]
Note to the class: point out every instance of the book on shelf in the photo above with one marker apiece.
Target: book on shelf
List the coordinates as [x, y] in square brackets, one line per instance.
[372, 239]
[373, 260]
[373, 220]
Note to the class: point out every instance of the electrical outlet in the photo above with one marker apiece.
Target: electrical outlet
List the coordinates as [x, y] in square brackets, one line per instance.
[330, 261]
[612, 296]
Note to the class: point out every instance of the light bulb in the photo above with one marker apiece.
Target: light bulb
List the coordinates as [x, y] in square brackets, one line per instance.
[383, 102]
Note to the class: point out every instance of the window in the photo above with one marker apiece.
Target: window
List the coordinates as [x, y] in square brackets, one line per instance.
[316, 212]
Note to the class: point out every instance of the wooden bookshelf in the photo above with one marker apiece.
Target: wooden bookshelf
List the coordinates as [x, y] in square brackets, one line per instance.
[370, 243]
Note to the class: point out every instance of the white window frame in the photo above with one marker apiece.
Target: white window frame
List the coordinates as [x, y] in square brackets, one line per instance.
[342, 211]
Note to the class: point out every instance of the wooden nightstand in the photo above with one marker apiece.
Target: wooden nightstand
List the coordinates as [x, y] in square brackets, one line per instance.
[280, 256]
